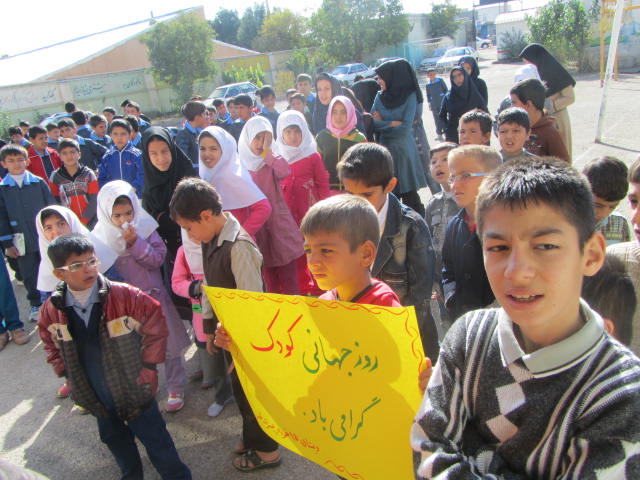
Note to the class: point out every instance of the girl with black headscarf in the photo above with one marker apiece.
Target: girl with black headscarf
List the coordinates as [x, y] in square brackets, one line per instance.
[559, 83]
[394, 110]
[471, 66]
[327, 87]
[462, 97]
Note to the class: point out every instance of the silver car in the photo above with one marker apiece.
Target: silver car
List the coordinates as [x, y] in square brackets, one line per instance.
[346, 74]
[452, 56]
[232, 90]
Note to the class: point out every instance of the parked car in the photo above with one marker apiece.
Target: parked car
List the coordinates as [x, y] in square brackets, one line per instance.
[483, 42]
[430, 61]
[346, 74]
[380, 61]
[452, 56]
[55, 118]
[232, 90]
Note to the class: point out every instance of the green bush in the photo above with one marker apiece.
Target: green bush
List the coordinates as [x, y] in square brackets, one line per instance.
[240, 74]
[512, 43]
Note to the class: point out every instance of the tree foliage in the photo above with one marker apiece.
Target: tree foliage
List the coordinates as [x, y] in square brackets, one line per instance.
[226, 25]
[442, 19]
[180, 52]
[240, 74]
[250, 24]
[346, 30]
[282, 30]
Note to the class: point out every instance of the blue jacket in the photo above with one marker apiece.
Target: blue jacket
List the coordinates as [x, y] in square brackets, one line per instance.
[90, 152]
[19, 207]
[406, 262]
[104, 141]
[125, 164]
[187, 141]
[84, 131]
[272, 117]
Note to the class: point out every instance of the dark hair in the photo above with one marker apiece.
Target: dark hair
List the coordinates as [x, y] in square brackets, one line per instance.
[431, 69]
[193, 196]
[608, 178]
[443, 146]
[634, 172]
[111, 110]
[290, 91]
[133, 121]
[48, 213]
[133, 104]
[11, 149]
[357, 78]
[192, 109]
[244, 99]
[231, 101]
[96, 120]
[125, 102]
[52, 126]
[519, 183]
[217, 102]
[196, 96]
[122, 200]
[212, 109]
[611, 293]
[79, 117]
[516, 115]
[369, 163]
[476, 115]
[68, 143]
[36, 130]
[304, 77]
[64, 246]
[530, 89]
[66, 122]
[15, 130]
[348, 215]
[120, 123]
[298, 96]
[266, 91]
[24, 123]
[69, 107]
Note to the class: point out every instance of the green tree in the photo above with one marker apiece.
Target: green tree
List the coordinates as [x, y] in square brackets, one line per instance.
[180, 52]
[282, 30]
[347, 30]
[442, 19]
[250, 24]
[226, 24]
[564, 28]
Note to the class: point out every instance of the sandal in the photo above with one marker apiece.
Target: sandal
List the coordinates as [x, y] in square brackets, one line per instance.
[250, 461]
[239, 449]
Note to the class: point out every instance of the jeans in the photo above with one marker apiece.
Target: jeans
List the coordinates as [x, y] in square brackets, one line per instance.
[9, 316]
[152, 432]
[29, 264]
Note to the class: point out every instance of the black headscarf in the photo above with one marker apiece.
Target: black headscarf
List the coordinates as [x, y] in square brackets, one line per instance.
[319, 117]
[552, 73]
[475, 72]
[464, 97]
[400, 80]
[365, 91]
[159, 186]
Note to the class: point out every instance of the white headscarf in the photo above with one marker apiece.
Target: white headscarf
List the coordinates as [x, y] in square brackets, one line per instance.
[253, 127]
[308, 145]
[106, 231]
[193, 253]
[528, 70]
[231, 181]
[46, 279]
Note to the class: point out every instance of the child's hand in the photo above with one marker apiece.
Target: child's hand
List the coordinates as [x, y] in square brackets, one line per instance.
[149, 376]
[130, 235]
[376, 115]
[211, 349]
[266, 145]
[395, 123]
[426, 370]
[12, 252]
[223, 339]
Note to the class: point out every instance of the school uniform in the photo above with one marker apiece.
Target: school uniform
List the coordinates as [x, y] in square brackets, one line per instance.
[615, 229]
[42, 164]
[84, 131]
[105, 141]
[436, 91]
[125, 164]
[91, 153]
[187, 141]
[273, 119]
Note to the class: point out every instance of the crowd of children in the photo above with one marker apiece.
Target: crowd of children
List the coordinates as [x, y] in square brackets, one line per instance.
[528, 380]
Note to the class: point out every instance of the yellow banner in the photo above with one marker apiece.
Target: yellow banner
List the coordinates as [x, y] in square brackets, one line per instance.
[335, 382]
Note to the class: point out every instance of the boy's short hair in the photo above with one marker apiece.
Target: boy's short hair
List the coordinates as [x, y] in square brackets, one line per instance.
[125, 102]
[304, 77]
[110, 110]
[37, 130]
[298, 96]
[348, 215]
[611, 293]
[217, 102]
[212, 110]
[193, 196]
[133, 104]
[192, 109]
[266, 91]
[290, 91]
[550, 181]
[608, 178]
[66, 122]
[69, 107]
[52, 126]
[244, 99]
[443, 146]
[369, 163]
[488, 156]
[133, 121]
[530, 89]
[24, 123]
[96, 120]
[11, 149]
[79, 117]
[120, 123]
[431, 69]
[68, 143]
[15, 130]
[476, 115]
[516, 115]
[61, 248]
[231, 101]
[634, 172]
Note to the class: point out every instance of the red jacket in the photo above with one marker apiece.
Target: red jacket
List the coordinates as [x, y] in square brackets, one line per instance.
[35, 165]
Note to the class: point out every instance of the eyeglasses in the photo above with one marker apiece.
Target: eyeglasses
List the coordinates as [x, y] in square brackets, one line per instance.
[463, 177]
[74, 267]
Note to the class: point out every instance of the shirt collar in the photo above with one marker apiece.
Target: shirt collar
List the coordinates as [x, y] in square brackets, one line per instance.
[382, 215]
[229, 231]
[557, 357]
[26, 180]
[191, 128]
[71, 301]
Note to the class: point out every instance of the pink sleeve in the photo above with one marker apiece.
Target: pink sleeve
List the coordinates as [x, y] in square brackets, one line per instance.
[259, 213]
[181, 277]
[280, 166]
[149, 252]
[320, 177]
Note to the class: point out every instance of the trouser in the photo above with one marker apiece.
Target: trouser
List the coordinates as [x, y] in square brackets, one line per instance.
[440, 125]
[9, 315]
[29, 263]
[215, 372]
[282, 279]
[151, 430]
[175, 374]
[412, 200]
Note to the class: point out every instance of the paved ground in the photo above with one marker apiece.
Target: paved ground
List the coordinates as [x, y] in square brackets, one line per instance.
[45, 434]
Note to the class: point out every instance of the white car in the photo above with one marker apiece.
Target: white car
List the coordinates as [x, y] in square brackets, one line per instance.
[452, 56]
[346, 74]
[483, 42]
[232, 90]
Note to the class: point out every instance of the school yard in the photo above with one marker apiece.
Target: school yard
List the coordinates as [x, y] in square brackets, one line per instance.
[47, 435]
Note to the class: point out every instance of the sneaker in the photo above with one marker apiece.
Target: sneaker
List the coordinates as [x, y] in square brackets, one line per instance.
[20, 337]
[175, 402]
[4, 339]
[82, 410]
[64, 391]
[34, 316]
[216, 408]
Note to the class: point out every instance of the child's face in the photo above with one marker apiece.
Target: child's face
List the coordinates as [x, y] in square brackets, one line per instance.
[382, 83]
[339, 115]
[458, 78]
[121, 213]
[159, 154]
[440, 168]
[131, 110]
[431, 76]
[634, 203]
[54, 226]
[534, 264]
[68, 132]
[470, 133]
[15, 164]
[324, 91]
[467, 67]
[120, 137]
[243, 112]
[331, 261]
[16, 138]
[203, 230]
[465, 190]
[210, 151]
[603, 208]
[70, 156]
[101, 129]
[25, 130]
[269, 102]
[108, 116]
[40, 141]
[233, 111]
[516, 102]
[202, 120]
[376, 196]
[512, 138]
[260, 142]
[297, 104]
[133, 135]
[84, 276]
[304, 88]
[292, 136]
[54, 134]
[222, 110]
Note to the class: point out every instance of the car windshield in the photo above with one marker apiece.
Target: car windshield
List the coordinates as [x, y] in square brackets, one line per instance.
[342, 69]
[438, 52]
[455, 52]
[218, 92]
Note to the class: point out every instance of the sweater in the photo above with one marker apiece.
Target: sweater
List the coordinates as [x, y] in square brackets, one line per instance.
[79, 192]
[43, 166]
[545, 140]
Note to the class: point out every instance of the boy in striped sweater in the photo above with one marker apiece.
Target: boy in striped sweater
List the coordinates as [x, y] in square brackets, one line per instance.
[536, 389]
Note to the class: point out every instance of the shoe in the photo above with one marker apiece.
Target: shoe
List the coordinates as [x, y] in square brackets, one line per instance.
[216, 408]
[81, 410]
[64, 391]
[4, 339]
[175, 402]
[206, 385]
[34, 316]
[20, 337]
[250, 461]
